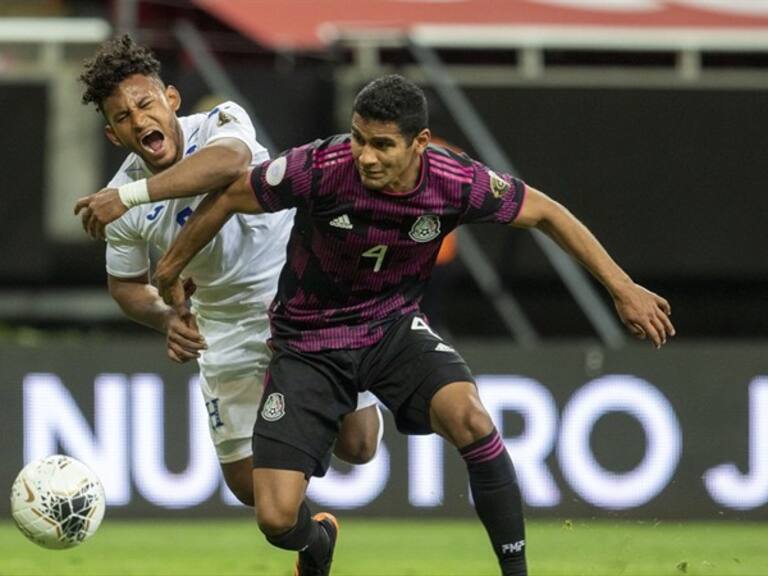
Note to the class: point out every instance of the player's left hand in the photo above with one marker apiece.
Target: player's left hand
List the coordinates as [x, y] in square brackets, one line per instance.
[100, 209]
[645, 314]
[184, 342]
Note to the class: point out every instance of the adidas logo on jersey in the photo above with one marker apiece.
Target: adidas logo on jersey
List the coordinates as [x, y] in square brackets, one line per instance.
[443, 348]
[341, 222]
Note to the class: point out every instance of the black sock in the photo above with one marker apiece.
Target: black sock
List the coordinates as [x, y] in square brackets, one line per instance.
[306, 536]
[497, 498]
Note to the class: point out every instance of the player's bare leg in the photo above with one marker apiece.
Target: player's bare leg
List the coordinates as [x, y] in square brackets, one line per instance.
[239, 478]
[457, 414]
[359, 436]
[278, 495]
[286, 521]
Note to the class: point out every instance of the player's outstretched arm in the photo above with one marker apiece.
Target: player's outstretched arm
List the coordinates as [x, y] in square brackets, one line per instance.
[211, 168]
[206, 221]
[645, 313]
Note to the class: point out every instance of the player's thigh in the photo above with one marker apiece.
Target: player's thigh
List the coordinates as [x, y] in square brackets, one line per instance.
[365, 422]
[359, 436]
[362, 422]
[238, 475]
[306, 395]
[409, 366]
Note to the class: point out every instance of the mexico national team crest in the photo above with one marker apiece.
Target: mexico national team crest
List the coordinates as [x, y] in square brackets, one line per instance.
[426, 228]
[274, 407]
[499, 186]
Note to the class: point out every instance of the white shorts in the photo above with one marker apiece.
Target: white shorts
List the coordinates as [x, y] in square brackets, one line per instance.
[232, 376]
[232, 407]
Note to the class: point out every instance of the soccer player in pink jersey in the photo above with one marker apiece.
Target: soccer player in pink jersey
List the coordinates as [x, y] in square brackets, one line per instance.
[372, 209]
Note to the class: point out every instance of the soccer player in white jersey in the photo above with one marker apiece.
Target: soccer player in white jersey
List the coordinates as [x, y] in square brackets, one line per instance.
[235, 277]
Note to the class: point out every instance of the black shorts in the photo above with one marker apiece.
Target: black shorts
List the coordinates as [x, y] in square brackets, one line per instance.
[306, 394]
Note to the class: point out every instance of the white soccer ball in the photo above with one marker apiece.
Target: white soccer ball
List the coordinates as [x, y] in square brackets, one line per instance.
[57, 502]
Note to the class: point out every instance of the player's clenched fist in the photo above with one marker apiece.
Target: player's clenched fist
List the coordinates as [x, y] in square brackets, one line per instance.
[184, 342]
[100, 209]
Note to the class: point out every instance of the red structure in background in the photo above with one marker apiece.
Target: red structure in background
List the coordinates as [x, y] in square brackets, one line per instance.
[311, 24]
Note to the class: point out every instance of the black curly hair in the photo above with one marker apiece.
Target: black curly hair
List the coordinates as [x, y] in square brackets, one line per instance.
[114, 61]
[394, 99]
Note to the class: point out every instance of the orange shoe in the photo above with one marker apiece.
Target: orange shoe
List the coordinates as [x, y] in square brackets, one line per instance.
[306, 566]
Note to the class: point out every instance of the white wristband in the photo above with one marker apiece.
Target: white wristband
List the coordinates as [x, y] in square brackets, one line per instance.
[134, 193]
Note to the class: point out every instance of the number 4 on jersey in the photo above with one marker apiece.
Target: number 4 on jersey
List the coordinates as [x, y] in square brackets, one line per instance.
[183, 216]
[378, 252]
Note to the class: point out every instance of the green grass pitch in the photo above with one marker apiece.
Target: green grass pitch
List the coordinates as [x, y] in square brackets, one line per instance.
[400, 548]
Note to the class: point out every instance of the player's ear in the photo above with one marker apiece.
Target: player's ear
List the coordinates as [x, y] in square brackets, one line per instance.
[111, 136]
[174, 97]
[422, 140]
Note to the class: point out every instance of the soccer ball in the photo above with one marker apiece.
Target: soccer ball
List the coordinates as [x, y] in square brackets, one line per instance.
[57, 502]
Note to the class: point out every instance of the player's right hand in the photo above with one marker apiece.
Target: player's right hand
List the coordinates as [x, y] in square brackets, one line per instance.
[645, 314]
[183, 338]
[171, 290]
[100, 209]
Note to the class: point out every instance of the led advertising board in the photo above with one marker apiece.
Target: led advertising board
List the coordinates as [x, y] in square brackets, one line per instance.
[677, 433]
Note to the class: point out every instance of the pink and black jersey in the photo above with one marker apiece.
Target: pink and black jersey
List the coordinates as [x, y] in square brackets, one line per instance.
[359, 259]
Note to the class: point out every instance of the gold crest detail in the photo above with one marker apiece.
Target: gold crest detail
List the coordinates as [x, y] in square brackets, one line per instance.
[225, 118]
[499, 186]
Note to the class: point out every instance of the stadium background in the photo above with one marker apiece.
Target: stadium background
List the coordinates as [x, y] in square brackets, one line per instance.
[657, 142]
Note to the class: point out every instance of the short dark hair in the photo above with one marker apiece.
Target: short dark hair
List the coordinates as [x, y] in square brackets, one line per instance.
[394, 99]
[115, 60]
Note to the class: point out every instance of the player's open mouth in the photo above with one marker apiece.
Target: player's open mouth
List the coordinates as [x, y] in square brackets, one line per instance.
[153, 142]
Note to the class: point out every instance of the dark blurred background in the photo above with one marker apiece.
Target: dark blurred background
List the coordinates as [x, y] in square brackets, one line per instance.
[659, 150]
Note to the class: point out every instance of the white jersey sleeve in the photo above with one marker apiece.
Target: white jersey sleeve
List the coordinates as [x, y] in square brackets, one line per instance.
[127, 252]
[229, 120]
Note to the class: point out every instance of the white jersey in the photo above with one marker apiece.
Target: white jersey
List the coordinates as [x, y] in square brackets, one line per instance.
[236, 273]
